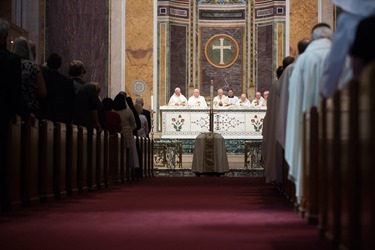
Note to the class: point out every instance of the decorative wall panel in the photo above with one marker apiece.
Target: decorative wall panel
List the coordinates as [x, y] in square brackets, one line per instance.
[139, 39]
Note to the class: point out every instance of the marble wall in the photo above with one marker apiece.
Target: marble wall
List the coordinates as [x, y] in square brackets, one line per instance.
[265, 58]
[178, 58]
[230, 77]
[79, 30]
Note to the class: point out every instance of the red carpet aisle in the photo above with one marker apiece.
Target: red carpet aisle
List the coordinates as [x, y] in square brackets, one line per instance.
[164, 213]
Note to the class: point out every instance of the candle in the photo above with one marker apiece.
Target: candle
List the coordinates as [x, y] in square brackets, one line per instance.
[152, 102]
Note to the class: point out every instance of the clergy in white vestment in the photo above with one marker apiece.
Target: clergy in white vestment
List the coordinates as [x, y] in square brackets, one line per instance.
[263, 103]
[337, 68]
[232, 98]
[243, 101]
[221, 99]
[271, 150]
[256, 103]
[304, 94]
[177, 99]
[197, 100]
[283, 92]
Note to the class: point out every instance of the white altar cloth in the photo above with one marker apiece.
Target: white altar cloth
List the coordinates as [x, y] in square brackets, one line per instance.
[231, 122]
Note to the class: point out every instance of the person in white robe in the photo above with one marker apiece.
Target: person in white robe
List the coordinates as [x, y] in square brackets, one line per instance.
[243, 101]
[177, 99]
[221, 99]
[283, 92]
[232, 98]
[304, 94]
[271, 150]
[257, 100]
[196, 100]
[337, 68]
[263, 104]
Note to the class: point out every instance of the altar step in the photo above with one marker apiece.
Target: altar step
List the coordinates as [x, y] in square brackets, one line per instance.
[236, 168]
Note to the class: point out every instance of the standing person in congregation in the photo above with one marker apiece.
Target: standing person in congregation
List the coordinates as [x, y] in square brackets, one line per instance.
[257, 100]
[33, 85]
[85, 111]
[283, 92]
[12, 102]
[221, 99]
[128, 125]
[304, 94]
[196, 100]
[231, 97]
[112, 120]
[243, 101]
[137, 151]
[146, 113]
[143, 131]
[337, 67]
[58, 105]
[271, 150]
[177, 99]
[362, 52]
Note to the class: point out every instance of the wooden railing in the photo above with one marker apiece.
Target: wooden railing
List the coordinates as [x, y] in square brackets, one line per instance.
[47, 160]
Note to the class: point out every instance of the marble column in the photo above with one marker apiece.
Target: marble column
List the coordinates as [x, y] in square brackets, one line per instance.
[117, 40]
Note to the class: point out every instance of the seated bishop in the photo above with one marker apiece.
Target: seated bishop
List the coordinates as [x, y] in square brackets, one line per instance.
[258, 100]
[196, 100]
[243, 101]
[177, 99]
[221, 99]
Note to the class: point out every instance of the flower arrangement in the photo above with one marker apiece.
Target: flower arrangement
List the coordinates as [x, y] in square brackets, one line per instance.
[177, 123]
[257, 123]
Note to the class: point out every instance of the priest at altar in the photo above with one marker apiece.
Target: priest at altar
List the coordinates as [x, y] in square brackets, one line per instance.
[177, 99]
[196, 100]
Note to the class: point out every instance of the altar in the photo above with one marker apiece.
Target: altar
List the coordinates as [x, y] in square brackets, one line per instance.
[186, 122]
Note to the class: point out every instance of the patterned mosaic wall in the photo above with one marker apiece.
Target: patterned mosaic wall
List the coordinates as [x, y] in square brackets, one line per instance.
[265, 59]
[178, 58]
[79, 30]
[228, 77]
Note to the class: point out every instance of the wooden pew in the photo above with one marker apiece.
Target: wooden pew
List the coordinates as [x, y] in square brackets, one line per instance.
[114, 158]
[333, 172]
[122, 159]
[100, 158]
[145, 157]
[311, 167]
[46, 161]
[141, 156]
[152, 158]
[345, 169]
[323, 163]
[11, 188]
[29, 158]
[106, 159]
[366, 116]
[72, 159]
[59, 163]
[82, 159]
[91, 159]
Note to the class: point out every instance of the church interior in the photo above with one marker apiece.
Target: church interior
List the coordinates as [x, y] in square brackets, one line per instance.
[206, 124]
